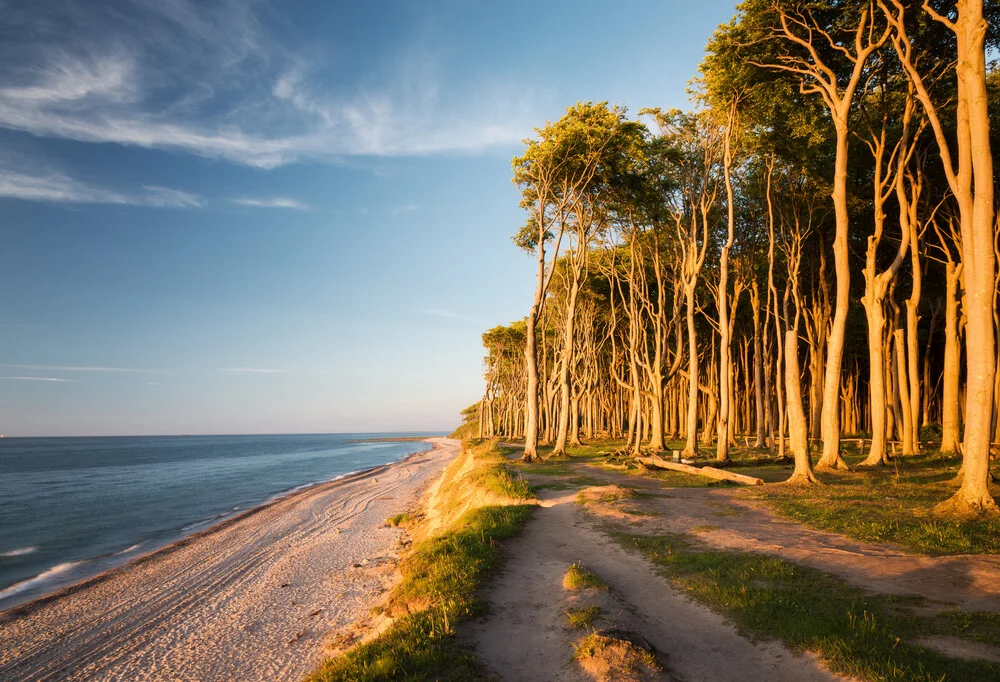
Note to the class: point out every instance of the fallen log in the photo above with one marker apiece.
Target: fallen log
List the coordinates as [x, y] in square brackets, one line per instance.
[710, 472]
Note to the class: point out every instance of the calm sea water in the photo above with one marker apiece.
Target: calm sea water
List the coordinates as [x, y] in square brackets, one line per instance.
[72, 507]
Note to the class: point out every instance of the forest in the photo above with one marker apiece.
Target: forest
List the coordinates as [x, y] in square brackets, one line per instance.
[805, 258]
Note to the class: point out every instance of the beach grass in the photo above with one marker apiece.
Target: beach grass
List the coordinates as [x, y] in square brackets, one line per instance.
[400, 520]
[440, 578]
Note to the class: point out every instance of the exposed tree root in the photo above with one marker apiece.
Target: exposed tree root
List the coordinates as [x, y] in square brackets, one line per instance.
[961, 505]
[803, 478]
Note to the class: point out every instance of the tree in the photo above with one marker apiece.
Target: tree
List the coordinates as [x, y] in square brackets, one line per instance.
[969, 172]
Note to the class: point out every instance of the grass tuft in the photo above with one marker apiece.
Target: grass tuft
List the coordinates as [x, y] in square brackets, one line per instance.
[579, 578]
[400, 520]
[582, 618]
[614, 659]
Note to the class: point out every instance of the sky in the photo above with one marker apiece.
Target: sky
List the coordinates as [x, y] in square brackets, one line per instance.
[240, 216]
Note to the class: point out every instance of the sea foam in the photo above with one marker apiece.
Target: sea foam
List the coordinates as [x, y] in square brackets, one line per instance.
[20, 551]
[39, 579]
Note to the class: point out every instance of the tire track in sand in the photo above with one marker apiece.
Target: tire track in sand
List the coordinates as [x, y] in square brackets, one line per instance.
[251, 599]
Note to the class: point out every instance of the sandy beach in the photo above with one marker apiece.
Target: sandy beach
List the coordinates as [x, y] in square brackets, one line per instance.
[254, 598]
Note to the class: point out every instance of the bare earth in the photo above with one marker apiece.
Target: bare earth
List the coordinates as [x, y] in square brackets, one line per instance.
[253, 599]
[729, 519]
[525, 635]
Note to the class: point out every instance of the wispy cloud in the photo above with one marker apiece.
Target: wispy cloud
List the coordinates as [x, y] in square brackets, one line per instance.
[84, 368]
[53, 379]
[276, 202]
[399, 210]
[450, 315]
[205, 78]
[253, 370]
[61, 188]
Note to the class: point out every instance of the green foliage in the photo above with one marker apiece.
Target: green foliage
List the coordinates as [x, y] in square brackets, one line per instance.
[979, 626]
[572, 160]
[859, 634]
[398, 520]
[931, 432]
[499, 479]
[582, 618]
[441, 575]
[578, 577]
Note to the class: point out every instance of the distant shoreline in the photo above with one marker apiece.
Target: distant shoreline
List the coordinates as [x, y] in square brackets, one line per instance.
[196, 530]
[401, 439]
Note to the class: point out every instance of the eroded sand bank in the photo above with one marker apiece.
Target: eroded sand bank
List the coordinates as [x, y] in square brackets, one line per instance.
[255, 598]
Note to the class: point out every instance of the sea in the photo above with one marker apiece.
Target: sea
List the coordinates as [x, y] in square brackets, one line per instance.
[73, 507]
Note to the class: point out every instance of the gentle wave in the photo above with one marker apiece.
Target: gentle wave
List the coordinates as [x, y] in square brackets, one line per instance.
[20, 551]
[42, 577]
[204, 522]
[128, 549]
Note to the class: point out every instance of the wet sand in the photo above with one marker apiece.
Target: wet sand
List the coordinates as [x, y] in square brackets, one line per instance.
[254, 598]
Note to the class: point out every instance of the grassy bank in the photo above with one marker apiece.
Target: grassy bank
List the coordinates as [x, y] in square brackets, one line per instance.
[478, 502]
[872, 637]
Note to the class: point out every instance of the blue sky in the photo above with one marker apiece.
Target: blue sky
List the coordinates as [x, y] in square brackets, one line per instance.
[259, 217]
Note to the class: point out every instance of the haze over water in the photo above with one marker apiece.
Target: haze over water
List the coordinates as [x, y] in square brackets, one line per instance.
[72, 507]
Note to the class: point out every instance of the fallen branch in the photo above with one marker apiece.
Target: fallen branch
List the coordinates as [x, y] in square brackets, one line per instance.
[710, 472]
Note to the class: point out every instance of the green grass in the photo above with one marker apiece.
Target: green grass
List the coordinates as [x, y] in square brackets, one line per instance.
[440, 579]
[582, 618]
[889, 504]
[979, 626]
[591, 451]
[859, 634]
[579, 578]
[499, 479]
[398, 520]
[494, 471]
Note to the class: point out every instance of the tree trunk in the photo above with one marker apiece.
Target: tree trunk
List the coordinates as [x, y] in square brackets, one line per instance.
[830, 420]
[949, 399]
[797, 429]
[691, 433]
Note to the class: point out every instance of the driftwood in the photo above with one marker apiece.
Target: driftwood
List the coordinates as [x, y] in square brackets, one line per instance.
[711, 472]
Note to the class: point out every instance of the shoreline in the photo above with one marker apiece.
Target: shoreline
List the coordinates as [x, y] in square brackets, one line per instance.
[182, 536]
[324, 547]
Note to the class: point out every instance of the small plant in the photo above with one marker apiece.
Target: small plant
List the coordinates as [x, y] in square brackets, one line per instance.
[579, 578]
[616, 658]
[400, 520]
[583, 618]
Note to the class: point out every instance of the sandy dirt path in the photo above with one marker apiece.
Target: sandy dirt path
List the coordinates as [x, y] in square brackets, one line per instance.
[253, 599]
[729, 519]
[525, 636]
